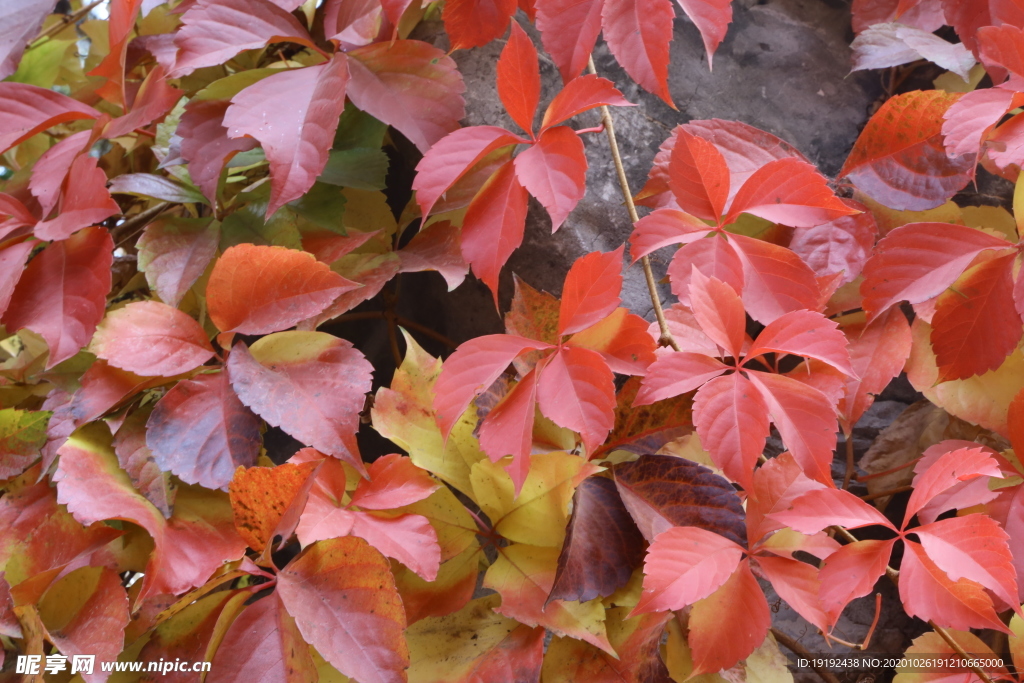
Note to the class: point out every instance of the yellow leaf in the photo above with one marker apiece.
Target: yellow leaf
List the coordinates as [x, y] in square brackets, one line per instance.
[405, 415]
[992, 217]
[523, 576]
[540, 513]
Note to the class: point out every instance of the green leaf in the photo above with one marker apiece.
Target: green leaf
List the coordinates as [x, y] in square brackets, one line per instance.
[22, 434]
[357, 159]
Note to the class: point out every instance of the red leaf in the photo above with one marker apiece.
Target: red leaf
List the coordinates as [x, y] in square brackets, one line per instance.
[21, 21]
[408, 84]
[518, 74]
[638, 33]
[508, 429]
[798, 584]
[345, 604]
[473, 368]
[776, 281]
[807, 334]
[950, 469]
[1003, 46]
[790, 192]
[137, 460]
[50, 170]
[84, 202]
[257, 289]
[1015, 419]
[103, 387]
[662, 228]
[899, 158]
[732, 421]
[577, 391]
[452, 157]
[214, 32]
[494, 225]
[554, 170]
[719, 311]
[201, 432]
[744, 148]
[569, 30]
[63, 292]
[355, 24]
[805, 419]
[93, 624]
[189, 547]
[205, 144]
[394, 482]
[263, 643]
[664, 491]
[622, 340]
[839, 246]
[150, 338]
[821, 508]
[976, 325]
[474, 23]
[154, 100]
[929, 594]
[294, 115]
[919, 261]
[698, 177]
[729, 624]
[12, 262]
[971, 118]
[777, 484]
[579, 95]
[972, 547]
[310, 384]
[591, 290]
[878, 351]
[28, 109]
[713, 257]
[436, 247]
[712, 18]
[174, 253]
[602, 544]
[851, 572]
[684, 565]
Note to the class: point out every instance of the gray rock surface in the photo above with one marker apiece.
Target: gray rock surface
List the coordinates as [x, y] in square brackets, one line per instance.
[783, 67]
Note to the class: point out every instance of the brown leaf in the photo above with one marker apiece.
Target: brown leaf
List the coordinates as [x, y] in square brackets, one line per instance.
[662, 491]
[645, 429]
[602, 544]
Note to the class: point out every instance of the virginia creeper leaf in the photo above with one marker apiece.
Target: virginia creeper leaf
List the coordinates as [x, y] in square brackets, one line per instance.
[731, 417]
[343, 598]
[201, 432]
[63, 292]
[729, 624]
[518, 74]
[85, 201]
[577, 391]
[569, 30]
[474, 23]
[259, 289]
[266, 501]
[151, 338]
[790, 192]
[310, 384]
[698, 177]
[638, 33]
[174, 253]
[591, 290]
[579, 95]
[554, 170]
[28, 109]
[807, 334]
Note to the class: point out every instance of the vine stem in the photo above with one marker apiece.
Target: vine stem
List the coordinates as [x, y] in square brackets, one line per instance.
[799, 650]
[652, 288]
[67, 21]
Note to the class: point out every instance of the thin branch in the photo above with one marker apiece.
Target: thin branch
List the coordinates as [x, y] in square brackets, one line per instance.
[800, 651]
[849, 457]
[67, 21]
[874, 622]
[945, 635]
[888, 492]
[652, 288]
[423, 329]
[396, 353]
[125, 230]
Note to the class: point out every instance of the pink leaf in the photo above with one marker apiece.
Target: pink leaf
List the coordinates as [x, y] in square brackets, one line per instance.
[508, 428]
[28, 109]
[684, 565]
[775, 281]
[950, 469]
[63, 292]
[394, 482]
[732, 421]
[790, 192]
[807, 334]
[579, 95]
[296, 138]
[411, 85]
[569, 30]
[577, 391]
[554, 170]
[150, 338]
[591, 290]
[638, 32]
[662, 228]
[819, 509]
[718, 309]
[675, 374]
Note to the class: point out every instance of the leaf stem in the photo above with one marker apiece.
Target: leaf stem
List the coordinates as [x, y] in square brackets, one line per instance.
[799, 650]
[127, 228]
[888, 492]
[849, 458]
[652, 288]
